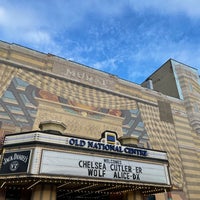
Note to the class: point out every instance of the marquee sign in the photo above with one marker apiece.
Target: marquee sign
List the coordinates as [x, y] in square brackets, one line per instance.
[108, 143]
[15, 162]
[99, 167]
[78, 162]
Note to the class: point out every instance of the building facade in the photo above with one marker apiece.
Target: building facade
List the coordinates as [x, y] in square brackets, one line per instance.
[161, 114]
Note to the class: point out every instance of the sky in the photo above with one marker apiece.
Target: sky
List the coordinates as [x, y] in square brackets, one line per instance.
[126, 38]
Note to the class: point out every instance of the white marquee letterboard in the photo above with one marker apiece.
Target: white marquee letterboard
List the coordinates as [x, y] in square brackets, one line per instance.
[99, 167]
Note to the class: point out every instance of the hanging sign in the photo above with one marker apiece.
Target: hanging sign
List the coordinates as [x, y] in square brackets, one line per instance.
[15, 162]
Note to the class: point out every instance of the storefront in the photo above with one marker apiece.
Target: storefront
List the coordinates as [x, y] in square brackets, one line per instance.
[48, 165]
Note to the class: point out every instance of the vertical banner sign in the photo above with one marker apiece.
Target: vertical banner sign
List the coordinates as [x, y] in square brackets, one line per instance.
[15, 162]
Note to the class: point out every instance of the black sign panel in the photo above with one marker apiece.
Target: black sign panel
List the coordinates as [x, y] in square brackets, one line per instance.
[15, 162]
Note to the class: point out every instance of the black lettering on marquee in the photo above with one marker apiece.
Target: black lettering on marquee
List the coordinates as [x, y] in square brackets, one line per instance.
[138, 170]
[92, 165]
[120, 171]
[96, 173]
[122, 175]
[136, 177]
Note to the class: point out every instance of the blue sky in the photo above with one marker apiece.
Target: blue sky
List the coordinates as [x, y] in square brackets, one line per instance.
[127, 38]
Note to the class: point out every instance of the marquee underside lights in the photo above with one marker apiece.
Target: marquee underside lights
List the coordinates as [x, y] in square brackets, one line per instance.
[80, 186]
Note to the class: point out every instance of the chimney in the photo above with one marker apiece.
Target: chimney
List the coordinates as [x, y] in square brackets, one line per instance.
[52, 126]
[150, 84]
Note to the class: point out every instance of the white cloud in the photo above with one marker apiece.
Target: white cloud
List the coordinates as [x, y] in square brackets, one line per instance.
[108, 8]
[190, 8]
[103, 34]
[2, 15]
[135, 74]
[38, 37]
[151, 56]
[106, 64]
[16, 18]
[24, 25]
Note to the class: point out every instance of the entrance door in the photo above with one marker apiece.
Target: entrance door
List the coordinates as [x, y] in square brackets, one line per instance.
[16, 193]
[12, 194]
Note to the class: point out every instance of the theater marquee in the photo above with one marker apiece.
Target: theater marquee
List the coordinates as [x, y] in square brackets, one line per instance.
[104, 159]
[100, 167]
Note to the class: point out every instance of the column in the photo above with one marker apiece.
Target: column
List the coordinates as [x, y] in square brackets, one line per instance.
[169, 196]
[44, 192]
[2, 194]
[134, 196]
